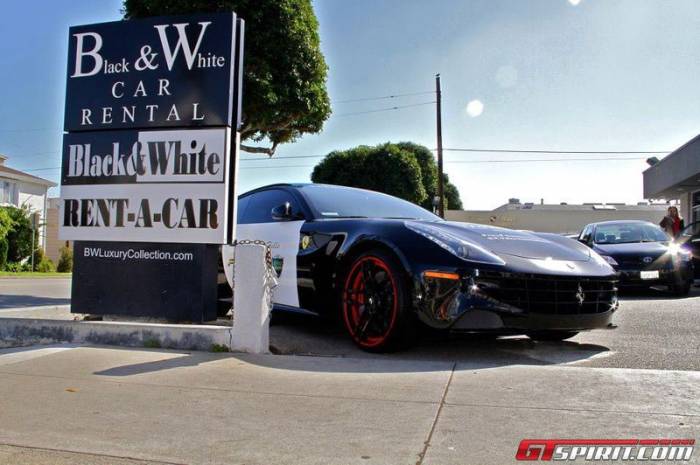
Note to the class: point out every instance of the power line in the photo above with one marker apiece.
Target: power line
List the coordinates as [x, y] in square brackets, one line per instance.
[530, 160]
[386, 109]
[43, 169]
[384, 97]
[537, 160]
[559, 152]
[282, 157]
[29, 129]
[274, 167]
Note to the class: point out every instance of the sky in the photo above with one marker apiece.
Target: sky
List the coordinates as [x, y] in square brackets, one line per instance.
[571, 75]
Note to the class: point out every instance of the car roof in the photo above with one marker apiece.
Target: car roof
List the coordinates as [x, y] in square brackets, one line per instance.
[299, 185]
[270, 186]
[614, 222]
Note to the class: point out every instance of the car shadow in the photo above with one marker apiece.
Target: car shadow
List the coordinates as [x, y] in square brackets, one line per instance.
[12, 301]
[310, 336]
[297, 342]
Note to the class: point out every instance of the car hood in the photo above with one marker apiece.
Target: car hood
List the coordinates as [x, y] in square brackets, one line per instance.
[524, 244]
[647, 249]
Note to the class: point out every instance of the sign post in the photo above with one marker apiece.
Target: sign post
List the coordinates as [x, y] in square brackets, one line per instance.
[153, 109]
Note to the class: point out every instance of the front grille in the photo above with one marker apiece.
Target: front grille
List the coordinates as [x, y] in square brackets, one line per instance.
[550, 295]
[639, 263]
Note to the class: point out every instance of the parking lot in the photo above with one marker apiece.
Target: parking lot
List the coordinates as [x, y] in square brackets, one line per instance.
[655, 331]
[464, 400]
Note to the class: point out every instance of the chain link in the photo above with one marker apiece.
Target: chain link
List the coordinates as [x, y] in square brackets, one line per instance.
[271, 274]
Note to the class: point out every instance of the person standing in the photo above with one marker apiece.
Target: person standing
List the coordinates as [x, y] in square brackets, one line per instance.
[672, 223]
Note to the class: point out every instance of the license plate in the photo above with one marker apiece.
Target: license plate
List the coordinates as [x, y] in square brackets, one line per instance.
[649, 274]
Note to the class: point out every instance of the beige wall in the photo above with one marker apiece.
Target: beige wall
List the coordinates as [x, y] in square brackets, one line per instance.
[53, 243]
[556, 221]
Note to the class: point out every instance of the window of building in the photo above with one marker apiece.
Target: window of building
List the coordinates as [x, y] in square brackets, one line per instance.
[695, 207]
[8, 192]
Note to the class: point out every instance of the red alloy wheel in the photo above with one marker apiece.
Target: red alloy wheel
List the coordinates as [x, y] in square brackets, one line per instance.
[370, 302]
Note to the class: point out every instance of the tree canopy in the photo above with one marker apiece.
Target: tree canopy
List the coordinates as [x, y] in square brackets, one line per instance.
[284, 83]
[405, 170]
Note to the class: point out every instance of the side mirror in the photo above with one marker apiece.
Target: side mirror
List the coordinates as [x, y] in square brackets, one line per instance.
[284, 213]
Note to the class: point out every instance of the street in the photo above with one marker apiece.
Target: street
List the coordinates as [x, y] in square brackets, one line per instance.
[466, 400]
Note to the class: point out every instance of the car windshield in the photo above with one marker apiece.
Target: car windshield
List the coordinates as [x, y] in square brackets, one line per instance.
[626, 233]
[345, 202]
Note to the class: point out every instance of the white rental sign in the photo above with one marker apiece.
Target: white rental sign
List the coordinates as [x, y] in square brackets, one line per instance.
[147, 186]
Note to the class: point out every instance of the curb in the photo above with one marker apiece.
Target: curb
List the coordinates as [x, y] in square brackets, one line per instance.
[26, 331]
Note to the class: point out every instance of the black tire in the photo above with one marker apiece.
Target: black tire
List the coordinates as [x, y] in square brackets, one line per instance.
[553, 336]
[375, 303]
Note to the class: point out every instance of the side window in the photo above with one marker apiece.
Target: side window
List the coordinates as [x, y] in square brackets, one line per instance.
[242, 205]
[586, 234]
[260, 205]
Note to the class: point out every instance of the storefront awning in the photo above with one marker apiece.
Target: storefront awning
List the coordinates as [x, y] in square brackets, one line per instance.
[676, 174]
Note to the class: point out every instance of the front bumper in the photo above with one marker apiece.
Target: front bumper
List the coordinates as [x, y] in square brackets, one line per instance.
[510, 302]
[631, 277]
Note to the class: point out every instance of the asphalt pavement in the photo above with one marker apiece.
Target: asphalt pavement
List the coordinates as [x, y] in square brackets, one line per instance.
[654, 331]
[33, 292]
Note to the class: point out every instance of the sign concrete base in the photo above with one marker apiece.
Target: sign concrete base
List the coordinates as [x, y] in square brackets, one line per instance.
[17, 331]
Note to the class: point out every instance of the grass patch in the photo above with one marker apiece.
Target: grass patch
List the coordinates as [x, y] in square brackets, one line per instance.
[151, 344]
[218, 348]
[33, 274]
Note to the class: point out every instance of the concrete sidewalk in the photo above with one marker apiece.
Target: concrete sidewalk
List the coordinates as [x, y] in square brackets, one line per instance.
[99, 405]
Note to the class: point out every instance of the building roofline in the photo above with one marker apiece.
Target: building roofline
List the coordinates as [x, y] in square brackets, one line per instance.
[11, 173]
[672, 154]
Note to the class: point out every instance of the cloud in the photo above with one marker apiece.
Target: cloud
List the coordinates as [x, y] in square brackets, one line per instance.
[475, 108]
[574, 2]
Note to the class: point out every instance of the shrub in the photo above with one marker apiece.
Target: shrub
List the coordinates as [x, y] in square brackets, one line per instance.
[65, 261]
[3, 253]
[18, 267]
[45, 266]
[39, 257]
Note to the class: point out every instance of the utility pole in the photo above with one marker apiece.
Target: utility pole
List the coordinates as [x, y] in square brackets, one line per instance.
[438, 101]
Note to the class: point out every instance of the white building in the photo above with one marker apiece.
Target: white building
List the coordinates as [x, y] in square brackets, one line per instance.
[18, 188]
[557, 218]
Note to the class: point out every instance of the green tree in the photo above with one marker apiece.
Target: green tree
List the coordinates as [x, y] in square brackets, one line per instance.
[384, 168]
[4, 247]
[19, 237]
[405, 170]
[451, 194]
[6, 222]
[284, 83]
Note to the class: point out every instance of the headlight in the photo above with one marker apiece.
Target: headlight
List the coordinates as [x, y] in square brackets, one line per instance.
[454, 244]
[602, 259]
[677, 250]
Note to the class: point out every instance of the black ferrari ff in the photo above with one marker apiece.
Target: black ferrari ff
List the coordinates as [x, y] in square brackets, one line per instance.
[384, 266]
[642, 254]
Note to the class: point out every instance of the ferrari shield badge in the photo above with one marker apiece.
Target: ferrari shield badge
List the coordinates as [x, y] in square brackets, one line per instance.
[305, 242]
[277, 264]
